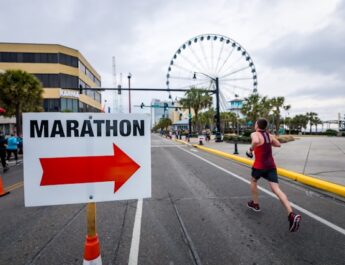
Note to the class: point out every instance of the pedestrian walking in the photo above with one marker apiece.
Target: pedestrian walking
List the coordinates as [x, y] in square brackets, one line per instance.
[20, 144]
[264, 166]
[208, 135]
[3, 144]
[12, 147]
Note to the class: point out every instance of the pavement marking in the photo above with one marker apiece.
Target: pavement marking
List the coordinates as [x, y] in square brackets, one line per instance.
[301, 209]
[14, 163]
[164, 145]
[187, 238]
[15, 186]
[55, 236]
[134, 252]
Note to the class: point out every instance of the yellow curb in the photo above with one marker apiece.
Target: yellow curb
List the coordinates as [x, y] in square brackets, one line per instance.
[311, 181]
[180, 141]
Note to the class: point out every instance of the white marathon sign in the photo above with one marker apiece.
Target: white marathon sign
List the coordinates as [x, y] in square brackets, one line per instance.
[86, 157]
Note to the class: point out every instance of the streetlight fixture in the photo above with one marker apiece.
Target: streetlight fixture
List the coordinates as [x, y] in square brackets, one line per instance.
[129, 92]
[216, 81]
[237, 115]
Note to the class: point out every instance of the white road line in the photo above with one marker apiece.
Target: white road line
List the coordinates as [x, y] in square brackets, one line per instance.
[134, 252]
[301, 209]
[165, 145]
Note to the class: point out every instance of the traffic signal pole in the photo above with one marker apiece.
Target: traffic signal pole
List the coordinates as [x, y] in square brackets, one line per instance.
[216, 91]
[218, 135]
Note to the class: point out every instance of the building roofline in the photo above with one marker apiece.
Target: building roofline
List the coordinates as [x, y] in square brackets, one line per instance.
[32, 43]
[56, 44]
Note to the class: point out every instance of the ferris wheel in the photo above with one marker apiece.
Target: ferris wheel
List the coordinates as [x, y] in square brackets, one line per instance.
[201, 60]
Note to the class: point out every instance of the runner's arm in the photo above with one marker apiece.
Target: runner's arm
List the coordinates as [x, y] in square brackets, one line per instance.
[275, 141]
[255, 140]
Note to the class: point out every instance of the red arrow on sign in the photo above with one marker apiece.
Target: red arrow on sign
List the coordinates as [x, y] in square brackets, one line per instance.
[86, 169]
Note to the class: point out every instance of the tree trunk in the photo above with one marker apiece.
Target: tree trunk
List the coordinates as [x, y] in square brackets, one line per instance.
[277, 124]
[18, 120]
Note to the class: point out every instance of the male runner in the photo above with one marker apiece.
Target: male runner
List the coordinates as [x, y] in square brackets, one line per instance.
[265, 167]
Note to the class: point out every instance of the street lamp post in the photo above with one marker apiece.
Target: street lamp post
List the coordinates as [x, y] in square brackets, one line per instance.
[216, 91]
[218, 135]
[189, 122]
[129, 92]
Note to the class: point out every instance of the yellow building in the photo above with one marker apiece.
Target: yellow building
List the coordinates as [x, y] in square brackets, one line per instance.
[58, 68]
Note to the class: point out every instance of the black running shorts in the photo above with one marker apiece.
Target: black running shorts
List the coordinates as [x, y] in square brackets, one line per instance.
[269, 174]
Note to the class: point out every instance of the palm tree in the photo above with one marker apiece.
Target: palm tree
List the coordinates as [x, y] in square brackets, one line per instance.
[312, 118]
[251, 108]
[317, 121]
[206, 118]
[163, 124]
[20, 92]
[287, 122]
[265, 107]
[226, 118]
[197, 100]
[277, 103]
[298, 122]
[256, 106]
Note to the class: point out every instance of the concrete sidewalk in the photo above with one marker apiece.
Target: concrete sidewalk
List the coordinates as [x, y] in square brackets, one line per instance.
[319, 157]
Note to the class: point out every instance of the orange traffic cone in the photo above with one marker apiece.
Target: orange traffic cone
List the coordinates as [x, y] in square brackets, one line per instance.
[92, 254]
[2, 191]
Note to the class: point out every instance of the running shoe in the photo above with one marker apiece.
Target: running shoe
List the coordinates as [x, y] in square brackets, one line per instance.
[294, 221]
[254, 206]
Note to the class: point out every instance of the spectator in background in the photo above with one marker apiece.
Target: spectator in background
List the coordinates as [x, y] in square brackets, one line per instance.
[208, 135]
[12, 147]
[3, 144]
[20, 145]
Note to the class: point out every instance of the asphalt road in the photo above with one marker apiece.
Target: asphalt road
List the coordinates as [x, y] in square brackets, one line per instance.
[197, 215]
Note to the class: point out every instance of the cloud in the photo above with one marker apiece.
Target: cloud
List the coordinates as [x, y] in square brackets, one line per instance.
[321, 51]
[297, 46]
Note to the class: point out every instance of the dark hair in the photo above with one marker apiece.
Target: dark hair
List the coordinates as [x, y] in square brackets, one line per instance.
[262, 123]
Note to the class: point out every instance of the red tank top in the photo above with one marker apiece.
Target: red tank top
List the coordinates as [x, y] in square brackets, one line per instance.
[263, 154]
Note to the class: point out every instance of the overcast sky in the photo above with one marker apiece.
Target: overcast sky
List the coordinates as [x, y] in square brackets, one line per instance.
[298, 47]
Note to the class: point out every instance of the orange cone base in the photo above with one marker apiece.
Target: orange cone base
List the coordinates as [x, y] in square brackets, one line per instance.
[97, 261]
[92, 254]
[4, 193]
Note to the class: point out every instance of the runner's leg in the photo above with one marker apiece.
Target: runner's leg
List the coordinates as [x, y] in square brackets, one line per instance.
[281, 195]
[254, 190]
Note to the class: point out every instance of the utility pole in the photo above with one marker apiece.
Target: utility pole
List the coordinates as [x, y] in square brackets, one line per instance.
[218, 135]
[129, 92]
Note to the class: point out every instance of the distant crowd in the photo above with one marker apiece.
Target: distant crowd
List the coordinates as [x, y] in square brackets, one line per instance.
[8, 146]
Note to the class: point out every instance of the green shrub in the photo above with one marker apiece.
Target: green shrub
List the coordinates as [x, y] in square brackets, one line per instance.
[247, 133]
[235, 138]
[330, 132]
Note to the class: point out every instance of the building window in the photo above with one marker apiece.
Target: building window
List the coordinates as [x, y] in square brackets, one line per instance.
[28, 57]
[82, 67]
[8, 57]
[58, 80]
[51, 105]
[49, 80]
[68, 60]
[82, 107]
[68, 81]
[69, 105]
[98, 97]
